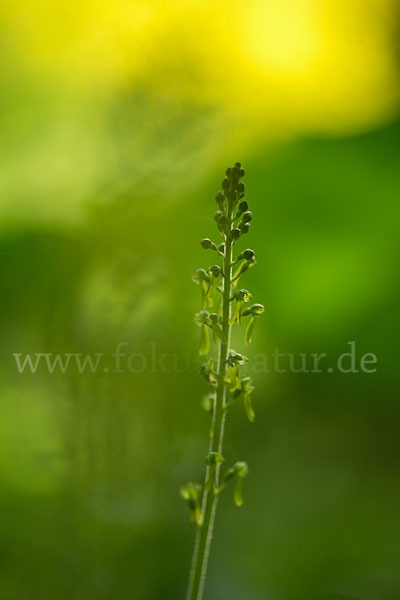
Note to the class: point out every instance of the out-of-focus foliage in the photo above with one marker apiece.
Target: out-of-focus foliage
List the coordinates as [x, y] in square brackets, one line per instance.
[116, 120]
[137, 91]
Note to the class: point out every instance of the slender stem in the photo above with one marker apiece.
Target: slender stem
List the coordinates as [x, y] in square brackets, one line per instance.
[210, 499]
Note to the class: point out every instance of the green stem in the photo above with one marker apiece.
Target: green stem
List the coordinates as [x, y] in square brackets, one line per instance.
[210, 499]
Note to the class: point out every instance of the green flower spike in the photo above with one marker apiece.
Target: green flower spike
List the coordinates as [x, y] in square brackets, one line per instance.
[220, 289]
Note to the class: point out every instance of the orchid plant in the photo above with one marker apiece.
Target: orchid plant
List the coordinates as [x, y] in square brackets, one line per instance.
[223, 305]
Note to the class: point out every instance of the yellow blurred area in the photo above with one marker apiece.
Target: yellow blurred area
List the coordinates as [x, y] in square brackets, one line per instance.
[115, 93]
[314, 64]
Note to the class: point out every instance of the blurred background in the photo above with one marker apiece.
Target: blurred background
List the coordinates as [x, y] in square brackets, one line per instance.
[118, 120]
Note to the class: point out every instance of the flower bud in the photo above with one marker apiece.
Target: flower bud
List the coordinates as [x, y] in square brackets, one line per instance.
[191, 491]
[242, 294]
[217, 215]
[245, 228]
[220, 199]
[241, 188]
[228, 172]
[246, 254]
[248, 215]
[231, 195]
[222, 222]
[225, 184]
[243, 206]
[238, 165]
[215, 270]
[206, 243]
[235, 233]
[214, 458]
[242, 469]
[241, 173]
[221, 247]
[236, 359]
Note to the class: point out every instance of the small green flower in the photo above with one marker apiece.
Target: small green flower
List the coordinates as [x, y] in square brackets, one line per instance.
[191, 494]
[254, 311]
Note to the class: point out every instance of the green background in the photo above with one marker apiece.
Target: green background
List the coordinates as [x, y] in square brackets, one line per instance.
[105, 197]
[91, 464]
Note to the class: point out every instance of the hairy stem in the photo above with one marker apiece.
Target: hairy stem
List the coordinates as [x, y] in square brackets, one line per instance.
[210, 499]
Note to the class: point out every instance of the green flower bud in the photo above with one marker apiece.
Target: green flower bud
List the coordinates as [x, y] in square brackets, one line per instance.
[248, 215]
[222, 222]
[191, 491]
[243, 206]
[206, 243]
[243, 295]
[236, 359]
[228, 172]
[225, 185]
[215, 270]
[241, 469]
[214, 458]
[238, 165]
[235, 233]
[241, 173]
[231, 195]
[245, 228]
[246, 254]
[217, 215]
[220, 199]
[241, 188]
